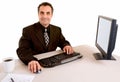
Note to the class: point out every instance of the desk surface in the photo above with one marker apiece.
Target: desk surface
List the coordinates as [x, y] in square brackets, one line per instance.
[86, 69]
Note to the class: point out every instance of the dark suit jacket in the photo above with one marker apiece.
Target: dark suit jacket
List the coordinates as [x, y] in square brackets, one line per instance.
[32, 42]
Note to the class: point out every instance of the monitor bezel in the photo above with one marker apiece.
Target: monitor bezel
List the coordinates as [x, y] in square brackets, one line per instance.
[111, 43]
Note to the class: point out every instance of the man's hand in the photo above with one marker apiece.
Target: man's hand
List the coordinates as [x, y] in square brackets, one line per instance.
[68, 49]
[33, 66]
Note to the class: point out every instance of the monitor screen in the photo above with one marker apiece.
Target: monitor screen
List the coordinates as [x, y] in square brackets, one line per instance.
[105, 37]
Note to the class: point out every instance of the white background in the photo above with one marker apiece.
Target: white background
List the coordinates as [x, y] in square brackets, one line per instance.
[77, 18]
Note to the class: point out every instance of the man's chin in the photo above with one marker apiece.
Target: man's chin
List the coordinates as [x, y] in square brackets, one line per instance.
[45, 25]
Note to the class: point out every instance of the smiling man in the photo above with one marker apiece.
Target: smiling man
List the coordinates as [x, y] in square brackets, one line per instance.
[41, 37]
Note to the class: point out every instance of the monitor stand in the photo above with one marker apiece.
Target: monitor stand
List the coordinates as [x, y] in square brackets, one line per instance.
[99, 56]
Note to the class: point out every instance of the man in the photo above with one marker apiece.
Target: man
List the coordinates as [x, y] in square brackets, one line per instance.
[33, 40]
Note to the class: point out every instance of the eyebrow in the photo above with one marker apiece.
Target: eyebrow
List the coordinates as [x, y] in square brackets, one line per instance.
[44, 12]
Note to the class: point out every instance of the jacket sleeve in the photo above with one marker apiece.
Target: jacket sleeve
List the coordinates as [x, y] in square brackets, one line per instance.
[25, 51]
[62, 41]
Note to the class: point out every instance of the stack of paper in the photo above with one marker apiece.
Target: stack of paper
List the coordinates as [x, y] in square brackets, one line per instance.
[18, 78]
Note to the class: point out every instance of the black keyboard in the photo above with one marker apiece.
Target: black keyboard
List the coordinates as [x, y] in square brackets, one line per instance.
[59, 59]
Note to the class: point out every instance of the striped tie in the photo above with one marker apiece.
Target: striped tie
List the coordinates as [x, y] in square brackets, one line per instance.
[46, 37]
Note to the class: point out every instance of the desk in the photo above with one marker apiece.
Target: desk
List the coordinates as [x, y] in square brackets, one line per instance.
[86, 69]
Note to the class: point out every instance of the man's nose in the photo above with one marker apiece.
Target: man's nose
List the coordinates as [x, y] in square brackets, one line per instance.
[45, 15]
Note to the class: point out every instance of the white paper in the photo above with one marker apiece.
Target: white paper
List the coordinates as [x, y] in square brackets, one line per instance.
[18, 78]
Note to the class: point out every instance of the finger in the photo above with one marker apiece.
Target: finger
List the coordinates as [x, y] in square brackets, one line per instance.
[30, 66]
[70, 50]
[34, 67]
[38, 66]
[67, 50]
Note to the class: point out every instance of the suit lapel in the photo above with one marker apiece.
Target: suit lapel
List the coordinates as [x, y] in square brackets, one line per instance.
[40, 35]
[51, 38]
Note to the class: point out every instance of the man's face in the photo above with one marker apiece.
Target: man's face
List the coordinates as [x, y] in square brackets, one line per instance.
[45, 15]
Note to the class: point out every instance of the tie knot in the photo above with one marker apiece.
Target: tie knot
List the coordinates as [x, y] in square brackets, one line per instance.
[45, 30]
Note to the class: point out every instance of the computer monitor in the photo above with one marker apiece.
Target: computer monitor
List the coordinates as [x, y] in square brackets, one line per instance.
[105, 38]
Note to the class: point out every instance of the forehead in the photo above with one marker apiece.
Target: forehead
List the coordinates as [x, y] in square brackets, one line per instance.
[45, 9]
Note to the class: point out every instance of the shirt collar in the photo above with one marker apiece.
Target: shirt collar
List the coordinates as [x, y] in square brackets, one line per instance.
[43, 28]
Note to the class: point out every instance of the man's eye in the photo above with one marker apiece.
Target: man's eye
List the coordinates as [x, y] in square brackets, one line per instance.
[48, 13]
[42, 13]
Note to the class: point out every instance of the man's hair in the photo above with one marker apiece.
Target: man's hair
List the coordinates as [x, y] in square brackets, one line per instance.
[45, 4]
